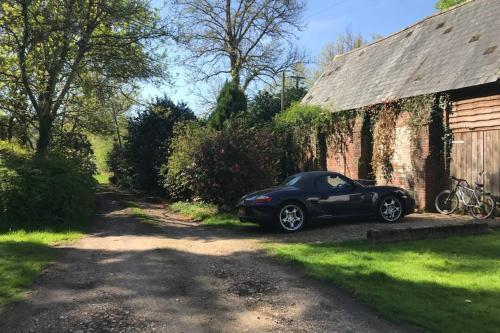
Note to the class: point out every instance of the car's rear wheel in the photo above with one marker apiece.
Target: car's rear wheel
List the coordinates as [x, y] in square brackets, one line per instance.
[390, 209]
[291, 217]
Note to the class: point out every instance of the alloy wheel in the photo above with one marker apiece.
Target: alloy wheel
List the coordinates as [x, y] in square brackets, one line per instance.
[291, 217]
[390, 209]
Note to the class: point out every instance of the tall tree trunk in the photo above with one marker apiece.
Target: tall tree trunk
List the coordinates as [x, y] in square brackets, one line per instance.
[117, 127]
[10, 128]
[44, 132]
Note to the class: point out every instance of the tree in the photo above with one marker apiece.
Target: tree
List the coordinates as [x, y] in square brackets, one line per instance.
[148, 143]
[445, 4]
[246, 39]
[265, 105]
[52, 48]
[231, 101]
[344, 43]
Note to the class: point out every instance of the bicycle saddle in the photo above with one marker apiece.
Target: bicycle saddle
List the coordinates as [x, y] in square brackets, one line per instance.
[479, 184]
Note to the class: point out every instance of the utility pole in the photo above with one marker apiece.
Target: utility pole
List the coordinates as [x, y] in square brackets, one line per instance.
[283, 91]
[297, 80]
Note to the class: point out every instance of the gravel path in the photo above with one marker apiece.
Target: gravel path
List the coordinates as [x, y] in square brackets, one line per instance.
[173, 275]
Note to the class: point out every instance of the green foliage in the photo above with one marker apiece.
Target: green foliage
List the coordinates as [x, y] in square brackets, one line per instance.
[235, 161]
[265, 105]
[139, 162]
[119, 166]
[77, 148]
[445, 4]
[224, 165]
[305, 128]
[54, 52]
[443, 285]
[188, 137]
[23, 255]
[231, 101]
[208, 214]
[101, 145]
[42, 191]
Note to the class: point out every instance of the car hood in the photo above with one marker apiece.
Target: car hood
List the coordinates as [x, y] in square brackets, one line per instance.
[387, 188]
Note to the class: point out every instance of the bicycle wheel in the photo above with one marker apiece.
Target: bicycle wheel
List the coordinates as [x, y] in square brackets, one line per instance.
[485, 209]
[446, 202]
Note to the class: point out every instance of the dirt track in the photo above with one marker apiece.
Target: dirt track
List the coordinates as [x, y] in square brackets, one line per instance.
[176, 276]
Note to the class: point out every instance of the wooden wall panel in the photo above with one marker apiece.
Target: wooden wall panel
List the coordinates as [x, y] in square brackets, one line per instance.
[476, 109]
[479, 151]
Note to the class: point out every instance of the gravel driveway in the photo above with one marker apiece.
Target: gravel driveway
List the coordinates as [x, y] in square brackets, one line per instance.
[176, 276]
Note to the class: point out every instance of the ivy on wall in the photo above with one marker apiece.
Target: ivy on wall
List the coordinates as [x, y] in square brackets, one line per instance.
[312, 129]
[383, 118]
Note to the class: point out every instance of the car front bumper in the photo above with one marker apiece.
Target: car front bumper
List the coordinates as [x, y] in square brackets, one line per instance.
[256, 214]
[409, 205]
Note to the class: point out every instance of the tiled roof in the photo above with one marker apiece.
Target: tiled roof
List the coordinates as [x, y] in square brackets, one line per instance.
[450, 50]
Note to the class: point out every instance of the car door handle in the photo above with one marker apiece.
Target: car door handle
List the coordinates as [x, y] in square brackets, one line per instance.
[313, 199]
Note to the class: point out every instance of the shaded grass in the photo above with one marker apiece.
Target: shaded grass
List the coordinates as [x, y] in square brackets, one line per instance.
[208, 214]
[140, 214]
[23, 255]
[445, 285]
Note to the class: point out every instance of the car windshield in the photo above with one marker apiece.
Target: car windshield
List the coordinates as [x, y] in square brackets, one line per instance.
[291, 181]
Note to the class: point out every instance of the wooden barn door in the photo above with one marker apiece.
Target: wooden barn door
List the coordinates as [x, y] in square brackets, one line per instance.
[473, 152]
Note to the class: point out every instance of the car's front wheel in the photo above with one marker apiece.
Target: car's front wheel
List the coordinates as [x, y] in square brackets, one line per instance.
[291, 217]
[390, 209]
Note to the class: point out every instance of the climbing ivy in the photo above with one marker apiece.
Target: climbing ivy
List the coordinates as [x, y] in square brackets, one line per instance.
[383, 118]
[314, 128]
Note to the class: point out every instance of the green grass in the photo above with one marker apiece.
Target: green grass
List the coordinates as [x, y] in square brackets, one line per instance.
[102, 146]
[102, 178]
[140, 214]
[444, 285]
[208, 214]
[23, 255]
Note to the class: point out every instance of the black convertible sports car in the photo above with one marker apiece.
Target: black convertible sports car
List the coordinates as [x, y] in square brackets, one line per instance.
[320, 195]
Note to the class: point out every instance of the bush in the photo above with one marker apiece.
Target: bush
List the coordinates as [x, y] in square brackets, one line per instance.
[138, 163]
[187, 140]
[265, 105]
[77, 148]
[38, 192]
[233, 162]
[305, 128]
[118, 164]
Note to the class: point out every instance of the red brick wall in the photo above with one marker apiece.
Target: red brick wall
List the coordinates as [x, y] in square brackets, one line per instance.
[421, 173]
[347, 162]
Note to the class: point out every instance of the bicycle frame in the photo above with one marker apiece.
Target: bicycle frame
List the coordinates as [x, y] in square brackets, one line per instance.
[465, 192]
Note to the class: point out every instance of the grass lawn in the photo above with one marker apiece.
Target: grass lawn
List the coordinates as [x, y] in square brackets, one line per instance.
[208, 214]
[443, 285]
[102, 178]
[23, 255]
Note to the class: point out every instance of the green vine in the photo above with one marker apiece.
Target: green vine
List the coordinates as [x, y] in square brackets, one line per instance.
[304, 126]
[444, 103]
[340, 131]
[383, 119]
[314, 128]
[422, 110]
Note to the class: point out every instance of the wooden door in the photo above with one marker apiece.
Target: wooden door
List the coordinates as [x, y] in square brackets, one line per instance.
[473, 152]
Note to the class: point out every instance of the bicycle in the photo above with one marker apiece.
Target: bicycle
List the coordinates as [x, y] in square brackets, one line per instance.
[480, 204]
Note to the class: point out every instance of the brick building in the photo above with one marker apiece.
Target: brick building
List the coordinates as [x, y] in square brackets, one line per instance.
[456, 52]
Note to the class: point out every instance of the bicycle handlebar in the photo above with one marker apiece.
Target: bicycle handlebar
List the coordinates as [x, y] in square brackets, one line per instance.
[463, 180]
[457, 179]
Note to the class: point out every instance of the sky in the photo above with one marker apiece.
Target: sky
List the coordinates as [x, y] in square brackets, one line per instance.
[325, 19]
